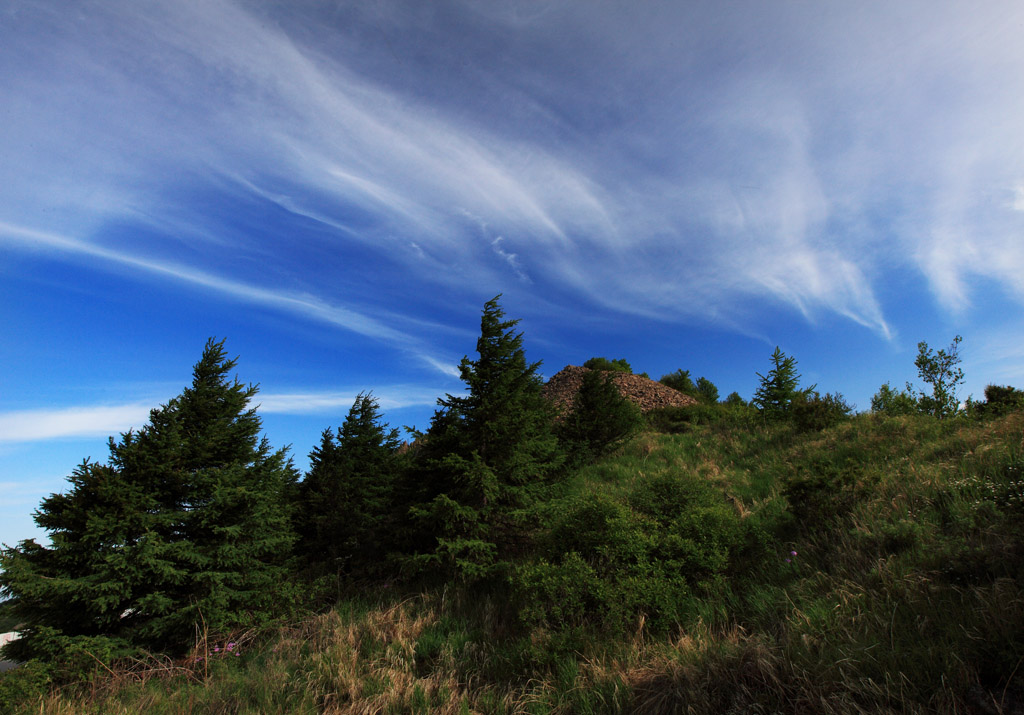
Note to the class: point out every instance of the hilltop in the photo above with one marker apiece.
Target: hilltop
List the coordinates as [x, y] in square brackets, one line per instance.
[642, 391]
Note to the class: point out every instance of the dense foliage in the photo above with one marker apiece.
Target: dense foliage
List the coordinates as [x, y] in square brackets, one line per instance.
[941, 371]
[487, 457]
[347, 497]
[600, 419]
[779, 389]
[779, 556]
[606, 365]
[187, 525]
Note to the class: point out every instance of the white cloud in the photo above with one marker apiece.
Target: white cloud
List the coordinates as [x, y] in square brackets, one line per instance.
[683, 163]
[95, 421]
[308, 403]
[1018, 198]
[104, 420]
[301, 304]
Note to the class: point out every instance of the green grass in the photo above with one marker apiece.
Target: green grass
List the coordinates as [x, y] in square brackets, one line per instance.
[905, 594]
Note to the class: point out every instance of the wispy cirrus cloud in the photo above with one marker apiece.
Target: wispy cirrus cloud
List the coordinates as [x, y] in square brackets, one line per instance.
[38, 425]
[88, 421]
[623, 155]
[303, 305]
[310, 403]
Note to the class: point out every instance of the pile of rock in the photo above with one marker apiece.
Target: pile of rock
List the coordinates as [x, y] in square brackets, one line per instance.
[644, 392]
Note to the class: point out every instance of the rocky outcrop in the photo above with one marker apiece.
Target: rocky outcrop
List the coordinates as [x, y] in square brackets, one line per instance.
[644, 392]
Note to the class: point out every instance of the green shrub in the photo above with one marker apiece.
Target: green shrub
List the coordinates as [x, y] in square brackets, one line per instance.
[20, 686]
[680, 381]
[607, 564]
[825, 496]
[734, 400]
[707, 392]
[564, 594]
[888, 401]
[1000, 400]
[677, 420]
[814, 412]
[606, 365]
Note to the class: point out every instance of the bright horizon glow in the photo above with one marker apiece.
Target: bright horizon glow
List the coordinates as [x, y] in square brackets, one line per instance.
[336, 191]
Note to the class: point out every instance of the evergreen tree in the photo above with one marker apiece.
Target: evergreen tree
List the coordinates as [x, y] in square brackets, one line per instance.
[486, 457]
[186, 524]
[347, 494]
[600, 419]
[680, 381]
[775, 395]
[734, 400]
[707, 392]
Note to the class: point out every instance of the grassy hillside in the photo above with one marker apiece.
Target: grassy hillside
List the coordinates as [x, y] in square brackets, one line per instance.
[875, 566]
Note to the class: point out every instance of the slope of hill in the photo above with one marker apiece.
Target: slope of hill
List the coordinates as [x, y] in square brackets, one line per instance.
[878, 567]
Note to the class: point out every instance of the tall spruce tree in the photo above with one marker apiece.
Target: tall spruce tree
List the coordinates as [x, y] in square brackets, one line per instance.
[779, 388]
[185, 526]
[486, 457]
[347, 494]
[600, 419]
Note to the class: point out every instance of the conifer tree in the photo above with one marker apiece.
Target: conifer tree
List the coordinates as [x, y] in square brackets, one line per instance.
[707, 391]
[775, 395]
[186, 524]
[347, 494]
[600, 419]
[680, 381]
[486, 456]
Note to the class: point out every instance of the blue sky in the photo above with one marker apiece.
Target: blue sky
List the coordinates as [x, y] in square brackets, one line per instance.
[337, 188]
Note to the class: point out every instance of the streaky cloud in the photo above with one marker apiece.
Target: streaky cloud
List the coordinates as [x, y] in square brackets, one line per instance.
[94, 421]
[305, 305]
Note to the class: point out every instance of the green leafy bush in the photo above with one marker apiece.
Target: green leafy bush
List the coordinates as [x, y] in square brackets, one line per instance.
[680, 381]
[888, 401]
[606, 365]
[22, 685]
[816, 412]
[823, 495]
[733, 399]
[676, 420]
[1000, 400]
[707, 392]
[606, 563]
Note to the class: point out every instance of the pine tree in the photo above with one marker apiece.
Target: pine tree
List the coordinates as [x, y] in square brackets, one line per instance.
[775, 395]
[347, 494]
[707, 391]
[680, 381]
[186, 524]
[600, 419]
[487, 456]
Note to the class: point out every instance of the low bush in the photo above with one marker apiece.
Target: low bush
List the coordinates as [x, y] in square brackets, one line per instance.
[609, 564]
[813, 412]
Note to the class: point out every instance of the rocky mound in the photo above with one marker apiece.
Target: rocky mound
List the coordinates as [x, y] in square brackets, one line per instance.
[645, 393]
